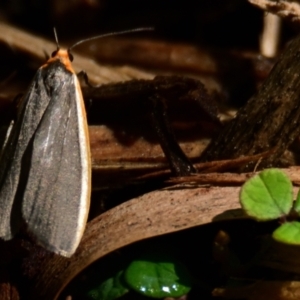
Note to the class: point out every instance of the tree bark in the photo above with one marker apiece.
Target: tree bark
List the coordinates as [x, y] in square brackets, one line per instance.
[269, 120]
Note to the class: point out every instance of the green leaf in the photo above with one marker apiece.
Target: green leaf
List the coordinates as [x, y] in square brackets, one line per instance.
[110, 289]
[267, 195]
[297, 203]
[158, 276]
[288, 233]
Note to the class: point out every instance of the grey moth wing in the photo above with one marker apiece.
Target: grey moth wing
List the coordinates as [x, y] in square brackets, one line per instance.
[50, 170]
[31, 108]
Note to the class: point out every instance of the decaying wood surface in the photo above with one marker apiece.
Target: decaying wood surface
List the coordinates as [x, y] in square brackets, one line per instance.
[270, 119]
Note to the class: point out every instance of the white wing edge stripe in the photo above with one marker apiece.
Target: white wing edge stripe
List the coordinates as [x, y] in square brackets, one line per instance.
[85, 164]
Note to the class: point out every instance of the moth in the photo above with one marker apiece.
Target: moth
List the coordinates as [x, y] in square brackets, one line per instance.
[45, 164]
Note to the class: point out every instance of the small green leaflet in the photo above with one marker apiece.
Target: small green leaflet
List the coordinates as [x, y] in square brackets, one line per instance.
[288, 233]
[110, 289]
[158, 276]
[267, 195]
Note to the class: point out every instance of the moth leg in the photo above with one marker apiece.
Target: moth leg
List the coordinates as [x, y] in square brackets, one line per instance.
[84, 76]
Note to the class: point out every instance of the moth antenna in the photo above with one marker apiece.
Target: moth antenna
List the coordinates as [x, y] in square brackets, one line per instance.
[111, 34]
[56, 38]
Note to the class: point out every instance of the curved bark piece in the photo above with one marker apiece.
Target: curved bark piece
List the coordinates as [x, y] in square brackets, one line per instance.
[150, 215]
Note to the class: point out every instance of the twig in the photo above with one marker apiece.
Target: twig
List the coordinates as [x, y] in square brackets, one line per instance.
[270, 35]
[282, 8]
